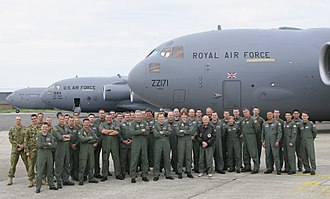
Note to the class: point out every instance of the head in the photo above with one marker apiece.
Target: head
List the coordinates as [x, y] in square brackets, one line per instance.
[112, 114]
[40, 117]
[86, 123]
[70, 121]
[148, 114]
[58, 113]
[34, 120]
[191, 113]
[199, 113]
[66, 118]
[270, 115]
[76, 114]
[184, 110]
[305, 116]
[49, 121]
[132, 115]
[170, 116]
[215, 117]
[76, 121]
[226, 114]
[236, 112]
[161, 117]
[108, 119]
[101, 114]
[246, 113]
[288, 116]
[206, 120]
[120, 117]
[176, 113]
[277, 113]
[44, 128]
[127, 117]
[184, 117]
[138, 116]
[156, 115]
[256, 111]
[18, 120]
[231, 120]
[209, 112]
[91, 117]
[60, 119]
[296, 114]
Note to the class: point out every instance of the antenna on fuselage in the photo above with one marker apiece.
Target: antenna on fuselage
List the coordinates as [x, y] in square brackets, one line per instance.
[219, 27]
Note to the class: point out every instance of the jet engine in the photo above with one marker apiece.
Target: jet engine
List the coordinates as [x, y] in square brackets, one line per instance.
[324, 64]
[116, 92]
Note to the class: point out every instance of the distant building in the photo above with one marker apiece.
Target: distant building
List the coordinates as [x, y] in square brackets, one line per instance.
[3, 103]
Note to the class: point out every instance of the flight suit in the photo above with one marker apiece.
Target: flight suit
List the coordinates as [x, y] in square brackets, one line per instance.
[196, 147]
[298, 148]
[233, 134]
[250, 149]
[258, 134]
[62, 154]
[174, 146]
[30, 147]
[16, 137]
[185, 132]
[96, 128]
[74, 153]
[206, 154]
[151, 143]
[139, 148]
[289, 136]
[217, 147]
[271, 133]
[238, 121]
[162, 147]
[46, 145]
[308, 134]
[86, 153]
[125, 150]
[110, 144]
[281, 149]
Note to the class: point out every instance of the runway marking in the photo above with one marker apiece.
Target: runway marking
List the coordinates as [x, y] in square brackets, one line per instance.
[315, 186]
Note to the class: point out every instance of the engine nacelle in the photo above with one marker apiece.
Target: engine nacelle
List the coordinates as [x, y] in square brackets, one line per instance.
[116, 92]
[324, 64]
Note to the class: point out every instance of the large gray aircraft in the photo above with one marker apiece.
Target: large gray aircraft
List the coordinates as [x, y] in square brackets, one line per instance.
[27, 98]
[226, 69]
[89, 94]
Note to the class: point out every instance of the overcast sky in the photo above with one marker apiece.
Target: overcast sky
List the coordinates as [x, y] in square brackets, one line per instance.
[42, 41]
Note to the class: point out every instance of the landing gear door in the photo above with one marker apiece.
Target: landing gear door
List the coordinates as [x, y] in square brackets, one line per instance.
[231, 90]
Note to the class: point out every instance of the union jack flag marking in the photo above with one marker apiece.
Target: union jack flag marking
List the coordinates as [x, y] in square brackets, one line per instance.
[231, 75]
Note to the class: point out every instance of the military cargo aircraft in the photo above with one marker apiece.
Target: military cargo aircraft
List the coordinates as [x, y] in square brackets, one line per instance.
[89, 94]
[285, 68]
[27, 98]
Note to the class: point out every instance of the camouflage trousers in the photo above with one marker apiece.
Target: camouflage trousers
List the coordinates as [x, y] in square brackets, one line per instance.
[32, 159]
[14, 157]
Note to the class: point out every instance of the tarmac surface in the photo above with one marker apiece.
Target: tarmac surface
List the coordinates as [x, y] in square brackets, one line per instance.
[229, 185]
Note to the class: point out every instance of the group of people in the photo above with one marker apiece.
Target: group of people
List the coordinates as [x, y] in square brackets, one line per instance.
[175, 140]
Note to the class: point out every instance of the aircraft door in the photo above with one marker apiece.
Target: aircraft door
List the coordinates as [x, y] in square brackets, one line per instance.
[179, 96]
[231, 90]
[76, 107]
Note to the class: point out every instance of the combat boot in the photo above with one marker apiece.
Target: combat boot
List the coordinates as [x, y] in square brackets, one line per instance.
[30, 184]
[10, 181]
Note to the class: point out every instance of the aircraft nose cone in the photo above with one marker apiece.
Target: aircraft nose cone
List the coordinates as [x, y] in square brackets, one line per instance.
[136, 79]
[45, 96]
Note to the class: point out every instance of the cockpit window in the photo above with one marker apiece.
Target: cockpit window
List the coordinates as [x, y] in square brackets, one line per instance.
[177, 52]
[166, 52]
[57, 87]
[174, 52]
[154, 52]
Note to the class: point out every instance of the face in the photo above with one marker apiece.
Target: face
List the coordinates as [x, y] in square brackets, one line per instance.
[132, 116]
[269, 115]
[108, 119]
[214, 117]
[176, 112]
[76, 121]
[148, 115]
[86, 124]
[61, 120]
[209, 112]
[18, 120]
[101, 114]
[49, 121]
[296, 115]
[156, 115]
[304, 117]
[246, 113]
[161, 118]
[66, 118]
[34, 120]
[120, 117]
[70, 122]
[127, 117]
[206, 121]
[184, 117]
[138, 116]
[170, 116]
[236, 112]
[191, 113]
[226, 114]
[288, 116]
[75, 114]
[231, 121]
[44, 128]
[199, 113]
[113, 114]
[276, 114]
[256, 112]
[40, 117]
[91, 118]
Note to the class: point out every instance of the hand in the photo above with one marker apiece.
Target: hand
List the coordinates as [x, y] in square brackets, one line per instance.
[264, 144]
[277, 144]
[193, 138]
[129, 141]
[19, 149]
[204, 144]
[125, 142]
[28, 154]
[143, 130]
[291, 144]
[74, 146]
[95, 145]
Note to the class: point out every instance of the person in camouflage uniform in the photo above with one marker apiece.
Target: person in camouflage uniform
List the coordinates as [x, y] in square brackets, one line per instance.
[16, 139]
